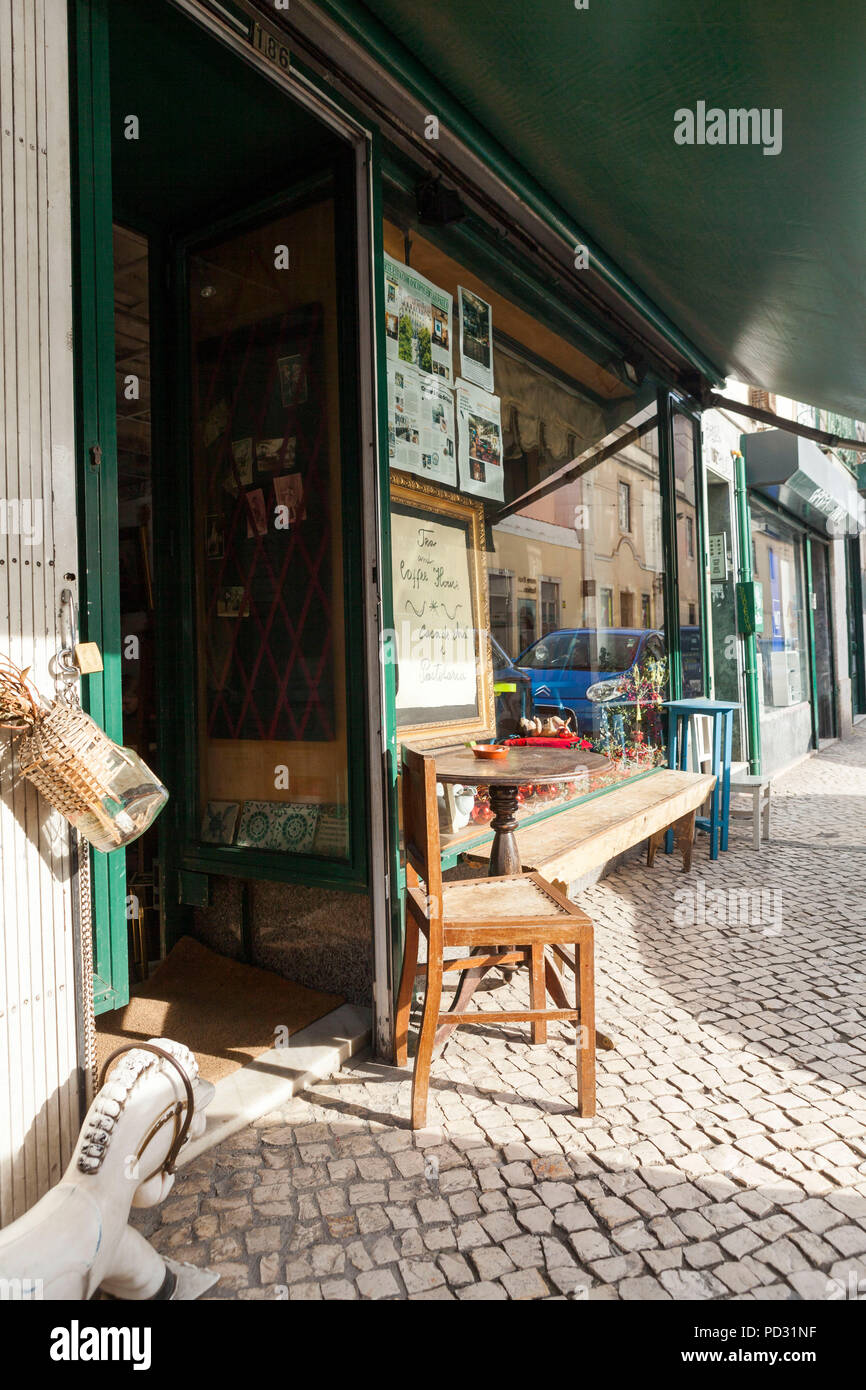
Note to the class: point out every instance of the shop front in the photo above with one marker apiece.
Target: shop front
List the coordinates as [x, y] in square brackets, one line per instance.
[364, 456]
[334, 430]
[805, 514]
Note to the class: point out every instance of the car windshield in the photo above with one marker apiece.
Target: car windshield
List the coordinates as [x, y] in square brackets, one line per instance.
[584, 651]
[552, 651]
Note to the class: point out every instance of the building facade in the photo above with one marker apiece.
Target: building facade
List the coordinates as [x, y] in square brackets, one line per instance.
[314, 394]
[806, 522]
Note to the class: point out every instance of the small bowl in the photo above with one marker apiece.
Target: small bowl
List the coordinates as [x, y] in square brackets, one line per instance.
[492, 752]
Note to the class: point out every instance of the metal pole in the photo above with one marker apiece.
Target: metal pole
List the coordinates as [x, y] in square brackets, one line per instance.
[750, 642]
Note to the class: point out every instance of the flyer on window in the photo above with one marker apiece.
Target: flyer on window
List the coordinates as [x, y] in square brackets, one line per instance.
[479, 435]
[417, 321]
[476, 338]
[421, 434]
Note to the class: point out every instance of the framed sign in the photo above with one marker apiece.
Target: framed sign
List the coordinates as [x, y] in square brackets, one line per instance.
[444, 668]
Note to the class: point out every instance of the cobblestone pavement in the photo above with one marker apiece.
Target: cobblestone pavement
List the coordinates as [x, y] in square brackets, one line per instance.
[728, 1157]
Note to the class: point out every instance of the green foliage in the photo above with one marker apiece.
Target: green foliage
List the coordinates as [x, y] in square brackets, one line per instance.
[425, 353]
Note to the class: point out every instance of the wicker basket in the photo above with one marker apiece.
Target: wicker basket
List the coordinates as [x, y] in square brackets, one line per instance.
[68, 759]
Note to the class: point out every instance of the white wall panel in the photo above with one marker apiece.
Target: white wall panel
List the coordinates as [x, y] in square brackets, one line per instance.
[38, 1080]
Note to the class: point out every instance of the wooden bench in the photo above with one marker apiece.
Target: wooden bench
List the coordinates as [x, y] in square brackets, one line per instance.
[566, 846]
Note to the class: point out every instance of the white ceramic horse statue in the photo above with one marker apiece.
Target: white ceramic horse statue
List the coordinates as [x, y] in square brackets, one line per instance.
[77, 1238]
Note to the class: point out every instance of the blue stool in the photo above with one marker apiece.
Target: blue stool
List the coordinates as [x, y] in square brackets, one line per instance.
[721, 712]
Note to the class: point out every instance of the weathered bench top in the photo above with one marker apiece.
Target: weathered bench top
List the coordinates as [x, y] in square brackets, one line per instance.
[573, 842]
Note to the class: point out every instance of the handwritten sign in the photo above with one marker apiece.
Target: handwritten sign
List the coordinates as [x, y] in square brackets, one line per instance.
[439, 613]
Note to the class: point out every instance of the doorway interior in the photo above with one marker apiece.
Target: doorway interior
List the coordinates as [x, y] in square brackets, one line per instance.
[238, 606]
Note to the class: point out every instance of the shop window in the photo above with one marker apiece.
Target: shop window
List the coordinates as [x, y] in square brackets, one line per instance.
[549, 606]
[624, 492]
[572, 511]
[688, 574]
[502, 609]
[782, 646]
[268, 537]
[725, 650]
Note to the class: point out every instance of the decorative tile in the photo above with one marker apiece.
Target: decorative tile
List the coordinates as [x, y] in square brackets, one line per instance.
[280, 825]
[257, 825]
[296, 827]
[219, 821]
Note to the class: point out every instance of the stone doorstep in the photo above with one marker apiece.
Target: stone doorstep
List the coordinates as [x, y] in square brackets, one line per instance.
[313, 1054]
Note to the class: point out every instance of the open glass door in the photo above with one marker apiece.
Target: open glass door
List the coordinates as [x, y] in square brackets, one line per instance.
[268, 673]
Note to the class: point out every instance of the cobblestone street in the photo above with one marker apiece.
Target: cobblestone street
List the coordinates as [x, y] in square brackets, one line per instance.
[728, 1156]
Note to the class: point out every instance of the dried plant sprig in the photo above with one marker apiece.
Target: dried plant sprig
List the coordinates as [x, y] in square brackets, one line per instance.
[21, 706]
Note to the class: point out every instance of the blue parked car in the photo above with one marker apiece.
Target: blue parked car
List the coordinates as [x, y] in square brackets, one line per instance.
[566, 665]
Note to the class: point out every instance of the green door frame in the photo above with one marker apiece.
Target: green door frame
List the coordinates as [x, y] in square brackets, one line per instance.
[813, 650]
[96, 436]
[854, 600]
[810, 637]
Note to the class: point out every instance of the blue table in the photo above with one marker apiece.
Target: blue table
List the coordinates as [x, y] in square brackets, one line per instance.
[721, 713]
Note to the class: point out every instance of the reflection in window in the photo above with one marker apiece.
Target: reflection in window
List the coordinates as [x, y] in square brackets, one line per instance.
[549, 605]
[624, 507]
[502, 608]
[686, 484]
[597, 524]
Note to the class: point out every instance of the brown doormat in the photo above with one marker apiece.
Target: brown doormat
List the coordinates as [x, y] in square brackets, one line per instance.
[226, 1012]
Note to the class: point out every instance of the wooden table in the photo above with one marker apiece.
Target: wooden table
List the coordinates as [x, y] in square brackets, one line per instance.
[504, 777]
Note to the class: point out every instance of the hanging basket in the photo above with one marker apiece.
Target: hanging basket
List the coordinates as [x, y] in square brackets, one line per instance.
[69, 760]
[105, 791]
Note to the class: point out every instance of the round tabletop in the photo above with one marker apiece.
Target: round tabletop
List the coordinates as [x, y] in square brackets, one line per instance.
[521, 765]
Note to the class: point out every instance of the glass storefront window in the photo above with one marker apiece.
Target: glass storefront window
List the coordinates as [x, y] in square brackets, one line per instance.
[603, 666]
[723, 599]
[782, 647]
[575, 569]
[688, 572]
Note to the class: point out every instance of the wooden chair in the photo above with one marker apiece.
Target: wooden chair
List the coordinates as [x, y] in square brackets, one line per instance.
[506, 921]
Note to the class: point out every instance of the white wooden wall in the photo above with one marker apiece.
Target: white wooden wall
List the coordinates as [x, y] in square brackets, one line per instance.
[38, 1086]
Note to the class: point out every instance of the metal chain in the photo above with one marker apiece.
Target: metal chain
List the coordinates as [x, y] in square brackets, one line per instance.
[86, 924]
[66, 683]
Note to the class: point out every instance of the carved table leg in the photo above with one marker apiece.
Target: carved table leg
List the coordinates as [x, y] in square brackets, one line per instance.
[504, 855]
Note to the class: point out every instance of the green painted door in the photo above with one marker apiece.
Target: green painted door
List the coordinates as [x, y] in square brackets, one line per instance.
[97, 452]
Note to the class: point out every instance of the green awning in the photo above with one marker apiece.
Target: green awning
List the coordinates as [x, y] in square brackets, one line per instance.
[812, 485]
[757, 258]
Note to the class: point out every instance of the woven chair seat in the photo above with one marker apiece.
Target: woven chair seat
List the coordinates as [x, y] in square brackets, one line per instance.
[508, 898]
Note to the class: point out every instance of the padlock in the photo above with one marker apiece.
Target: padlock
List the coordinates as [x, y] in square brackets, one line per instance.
[87, 658]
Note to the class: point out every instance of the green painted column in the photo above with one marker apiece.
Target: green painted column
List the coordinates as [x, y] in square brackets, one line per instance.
[750, 642]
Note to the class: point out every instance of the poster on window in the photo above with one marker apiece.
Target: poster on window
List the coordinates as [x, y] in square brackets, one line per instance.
[476, 339]
[421, 434]
[479, 442]
[417, 321]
